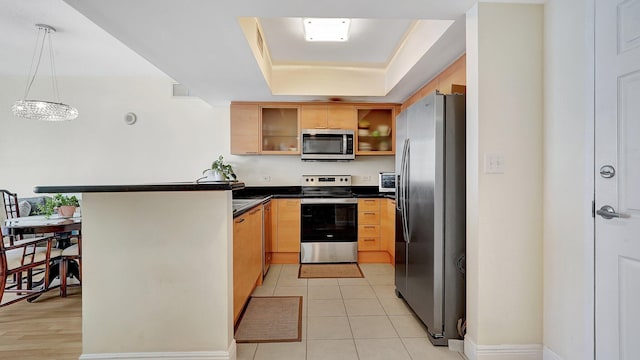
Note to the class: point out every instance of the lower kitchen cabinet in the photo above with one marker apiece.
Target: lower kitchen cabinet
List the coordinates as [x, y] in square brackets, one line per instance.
[267, 233]
[368, 224]
[376, 230]
[369, 232]
[247, 257]
[286, 222]
[388, 227]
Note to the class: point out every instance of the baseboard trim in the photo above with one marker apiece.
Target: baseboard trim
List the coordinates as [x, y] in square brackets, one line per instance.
[469, 348]
[181, 355]
[501, 352]
[548, 354]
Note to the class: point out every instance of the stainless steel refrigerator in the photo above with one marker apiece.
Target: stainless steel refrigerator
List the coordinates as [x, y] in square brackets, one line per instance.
[430, 212]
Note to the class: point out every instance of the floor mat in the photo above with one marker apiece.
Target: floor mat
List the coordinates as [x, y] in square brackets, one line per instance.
[271, 319]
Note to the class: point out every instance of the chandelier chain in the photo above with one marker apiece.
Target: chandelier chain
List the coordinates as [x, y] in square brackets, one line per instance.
[54, 79]
[31, 78]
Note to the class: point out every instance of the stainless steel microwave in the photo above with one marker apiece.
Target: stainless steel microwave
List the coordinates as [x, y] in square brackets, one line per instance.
[327, 144]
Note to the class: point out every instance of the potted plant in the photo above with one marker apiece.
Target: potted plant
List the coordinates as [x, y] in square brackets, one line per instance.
[66, 205]
[220, 171]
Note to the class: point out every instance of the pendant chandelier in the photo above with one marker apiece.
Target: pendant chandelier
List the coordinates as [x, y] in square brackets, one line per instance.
[40, 109]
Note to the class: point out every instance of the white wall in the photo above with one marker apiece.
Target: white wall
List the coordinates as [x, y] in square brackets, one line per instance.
[173, 140]
[568, 179]
[473, 173]
[505, 116]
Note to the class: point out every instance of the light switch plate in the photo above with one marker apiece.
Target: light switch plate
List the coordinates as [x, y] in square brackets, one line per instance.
[493, 164]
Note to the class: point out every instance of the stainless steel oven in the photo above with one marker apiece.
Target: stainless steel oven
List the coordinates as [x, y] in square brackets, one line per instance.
[329, 224]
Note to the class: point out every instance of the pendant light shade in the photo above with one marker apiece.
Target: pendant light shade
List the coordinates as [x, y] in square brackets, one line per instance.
[41, 109]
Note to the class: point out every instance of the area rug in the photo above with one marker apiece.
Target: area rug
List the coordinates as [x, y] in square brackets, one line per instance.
[271, 319]
[318, 271]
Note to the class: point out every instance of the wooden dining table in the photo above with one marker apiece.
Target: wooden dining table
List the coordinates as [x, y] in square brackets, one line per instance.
[64, 229]
[40, 224]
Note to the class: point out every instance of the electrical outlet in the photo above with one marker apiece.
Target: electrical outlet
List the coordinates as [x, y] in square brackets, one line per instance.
[265, 178]
[365, 178]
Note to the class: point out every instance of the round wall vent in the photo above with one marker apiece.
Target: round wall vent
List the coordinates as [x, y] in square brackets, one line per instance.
[130, 118]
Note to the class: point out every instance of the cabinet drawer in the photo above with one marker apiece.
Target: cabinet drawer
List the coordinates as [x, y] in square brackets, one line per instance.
[368, 230]
[368, 204]
[368, 243]
[368, 218]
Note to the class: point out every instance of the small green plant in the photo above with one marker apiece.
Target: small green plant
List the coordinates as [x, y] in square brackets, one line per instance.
[225, 169]
[58, 200]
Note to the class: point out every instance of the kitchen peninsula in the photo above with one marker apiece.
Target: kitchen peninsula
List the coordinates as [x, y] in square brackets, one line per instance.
[156, 271]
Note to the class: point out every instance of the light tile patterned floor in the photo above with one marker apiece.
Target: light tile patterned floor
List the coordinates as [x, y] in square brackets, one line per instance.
[347, 319]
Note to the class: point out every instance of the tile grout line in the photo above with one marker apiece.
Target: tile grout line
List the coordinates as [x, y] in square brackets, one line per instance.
[353, 337]
[282, 278]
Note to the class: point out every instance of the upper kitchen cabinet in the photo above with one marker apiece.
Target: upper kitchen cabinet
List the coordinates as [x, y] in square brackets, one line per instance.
[264, 129]
[274, 128]
[329, 116]
[376, 125]
[245, 128]
[280, 130]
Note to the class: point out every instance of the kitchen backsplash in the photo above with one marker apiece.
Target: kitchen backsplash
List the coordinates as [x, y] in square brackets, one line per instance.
[278, 170]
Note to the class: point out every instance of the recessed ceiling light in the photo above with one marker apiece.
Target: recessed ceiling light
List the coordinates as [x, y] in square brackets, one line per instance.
[325, 29]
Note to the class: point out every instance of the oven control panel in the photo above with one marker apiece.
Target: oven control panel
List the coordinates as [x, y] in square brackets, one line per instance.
[326, 180]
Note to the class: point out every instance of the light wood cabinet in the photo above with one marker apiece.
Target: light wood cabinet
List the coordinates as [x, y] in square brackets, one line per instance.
[267, 228]
[287, 234]
[247, 257]
[274, 128]
[451, 80]
[376, 230]
[245, 128]
[368, 224]
[376, 126]
[328, 117]
[280, 130]
[388, 227]
[264, 129]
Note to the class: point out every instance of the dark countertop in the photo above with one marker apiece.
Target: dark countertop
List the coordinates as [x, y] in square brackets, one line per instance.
[177, 186]
[247, 198]
[241, 206]
[254, 192]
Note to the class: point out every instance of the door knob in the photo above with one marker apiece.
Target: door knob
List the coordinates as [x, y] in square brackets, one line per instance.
[608, 212]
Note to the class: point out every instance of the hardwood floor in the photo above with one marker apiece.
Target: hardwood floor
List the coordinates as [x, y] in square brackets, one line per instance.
[48, 328]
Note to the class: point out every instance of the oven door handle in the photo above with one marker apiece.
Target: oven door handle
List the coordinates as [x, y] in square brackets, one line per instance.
[329, 201]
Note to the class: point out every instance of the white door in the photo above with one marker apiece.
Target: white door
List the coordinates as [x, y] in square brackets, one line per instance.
[617, 144]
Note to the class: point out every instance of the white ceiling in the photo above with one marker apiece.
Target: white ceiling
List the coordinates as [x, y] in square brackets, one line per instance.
[200, 44]
[371, 42]
[81, 47]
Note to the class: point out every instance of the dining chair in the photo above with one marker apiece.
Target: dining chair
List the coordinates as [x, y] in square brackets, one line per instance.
[10, 204]
[22, 260]
[71, 263]
[10, 210]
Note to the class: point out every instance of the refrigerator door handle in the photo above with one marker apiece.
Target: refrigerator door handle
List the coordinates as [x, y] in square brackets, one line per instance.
[399, 181]
[399, 178]
[405, 192]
